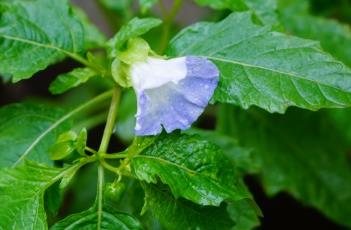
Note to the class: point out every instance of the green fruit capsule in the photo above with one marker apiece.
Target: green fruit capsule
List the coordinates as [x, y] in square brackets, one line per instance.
[114, 191]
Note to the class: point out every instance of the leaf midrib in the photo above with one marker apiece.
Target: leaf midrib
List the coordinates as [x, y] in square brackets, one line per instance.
[167, 162]
[65, 117]
[179, 166]
[35, 43]
[275, 71]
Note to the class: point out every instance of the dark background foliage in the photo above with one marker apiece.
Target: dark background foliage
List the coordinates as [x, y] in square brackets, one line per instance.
[280, 212]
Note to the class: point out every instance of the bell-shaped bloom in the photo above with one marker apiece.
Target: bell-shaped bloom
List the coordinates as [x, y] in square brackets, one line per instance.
[171, 93]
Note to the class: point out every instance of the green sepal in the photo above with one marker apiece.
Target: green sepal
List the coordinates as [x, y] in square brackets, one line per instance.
[120, 73]
[64, 146]
[67, 136]
[137, 51]
[81, 142]
[61, 150]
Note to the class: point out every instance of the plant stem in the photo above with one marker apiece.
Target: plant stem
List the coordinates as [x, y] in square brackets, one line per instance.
[90, 150]
[168, 19]
[114, 156]
[111, 119]
[100, 194]
[109, 167]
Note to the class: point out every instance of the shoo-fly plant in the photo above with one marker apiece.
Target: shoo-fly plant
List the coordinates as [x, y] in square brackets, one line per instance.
[181, 114]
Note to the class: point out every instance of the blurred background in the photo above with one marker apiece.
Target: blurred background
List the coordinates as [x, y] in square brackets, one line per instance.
[280, 212]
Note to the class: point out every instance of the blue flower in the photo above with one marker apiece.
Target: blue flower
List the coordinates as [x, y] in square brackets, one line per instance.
[171, 93]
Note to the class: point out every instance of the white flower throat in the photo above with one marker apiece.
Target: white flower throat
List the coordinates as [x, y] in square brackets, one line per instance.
[156, 72]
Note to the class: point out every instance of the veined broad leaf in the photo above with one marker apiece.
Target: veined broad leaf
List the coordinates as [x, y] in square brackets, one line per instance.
[32, 129]
[35, 34]
[193, 169]
[312, 167]
[244, 214]
[89, 220]
[70, 80]
[93, 37]
[264, 10]
[53, 197]
[243, 159]
[135, 28]
[177, 214]
[267, 69]
[22, 195]
[27, 131]
[334, 36]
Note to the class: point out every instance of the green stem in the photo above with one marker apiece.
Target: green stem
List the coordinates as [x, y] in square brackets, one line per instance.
[109, 167]
[90, 150]
[168, 19]
[114, 156]
[111, 119]
[100, 194]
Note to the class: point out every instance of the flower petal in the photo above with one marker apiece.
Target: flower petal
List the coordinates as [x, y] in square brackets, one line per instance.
[177, 95]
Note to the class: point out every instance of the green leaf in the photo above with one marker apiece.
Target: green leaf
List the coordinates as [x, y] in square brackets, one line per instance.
[123, 9]
[70, 80]
[52, 201]
[177, 214]
[117, 6]
[334, 36]
[68, 177]
[264, 10]
[5, 78]
[35, 34]
[27, 131]
[294, 6]
[147, 4]
[193, 169]
[301, 153]
[236, 5]
[134, 28]
[243, 159]
[22, 195]
[341, 121]
[88, 220]
[267, 69]
[244, 214]
[93, 37]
